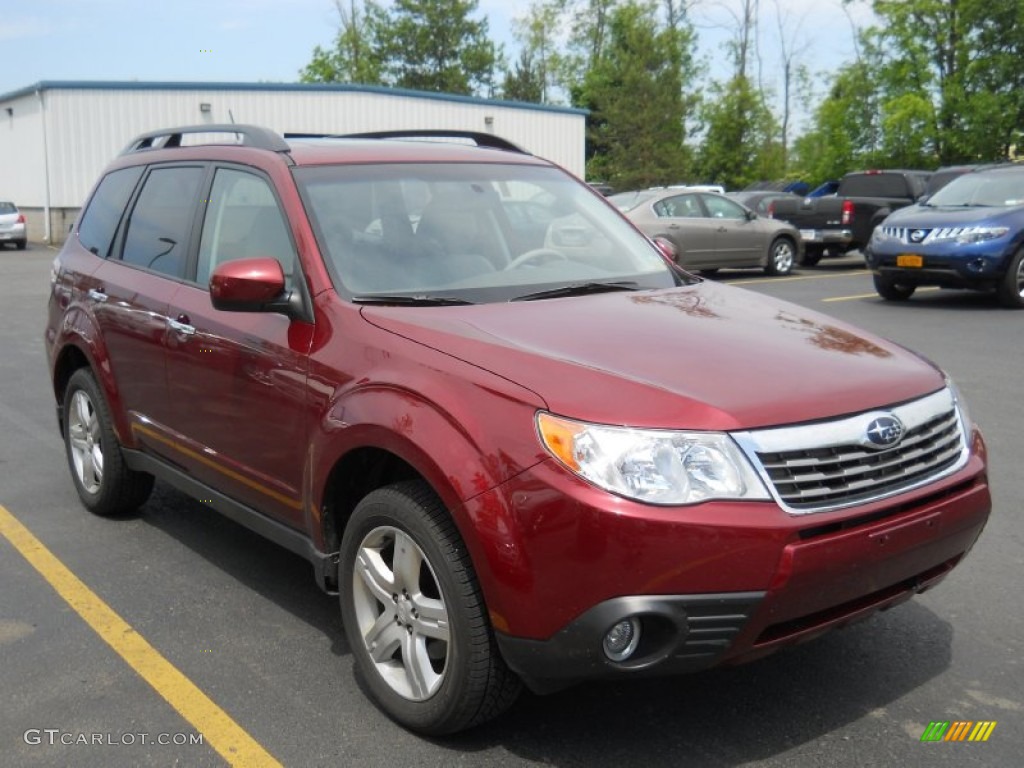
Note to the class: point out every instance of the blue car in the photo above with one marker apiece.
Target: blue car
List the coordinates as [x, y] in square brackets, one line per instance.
[969, 234]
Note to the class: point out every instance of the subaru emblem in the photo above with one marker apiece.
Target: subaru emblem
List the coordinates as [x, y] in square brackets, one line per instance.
[884, 432]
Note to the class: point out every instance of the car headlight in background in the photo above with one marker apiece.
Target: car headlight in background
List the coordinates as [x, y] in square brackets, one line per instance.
[652, 466]
[967, 235]
[961, 406]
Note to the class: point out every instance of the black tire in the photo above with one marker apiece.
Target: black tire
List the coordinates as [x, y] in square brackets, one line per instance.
[812, 255]
[471, 684]
[21, 245]
[781, 257]
[891, 290]
[111, 488]
[1011, 288]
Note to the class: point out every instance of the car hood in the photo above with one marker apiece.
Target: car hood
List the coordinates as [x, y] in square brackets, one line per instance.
[925, 217]
[706, 356]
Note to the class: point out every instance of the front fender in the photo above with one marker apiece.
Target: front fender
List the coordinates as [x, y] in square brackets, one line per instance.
[458, 433]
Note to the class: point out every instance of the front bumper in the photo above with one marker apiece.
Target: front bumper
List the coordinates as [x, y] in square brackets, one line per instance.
[978, 267]
[745, 582]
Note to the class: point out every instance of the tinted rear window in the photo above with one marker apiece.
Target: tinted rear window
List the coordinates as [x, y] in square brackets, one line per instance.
[96, 230]
[8, 208]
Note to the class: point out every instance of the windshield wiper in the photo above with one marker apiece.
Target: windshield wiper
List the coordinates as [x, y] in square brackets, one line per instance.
[580, 289]
[421, 300]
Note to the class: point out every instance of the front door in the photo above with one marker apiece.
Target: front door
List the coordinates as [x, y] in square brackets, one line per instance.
[237, 380]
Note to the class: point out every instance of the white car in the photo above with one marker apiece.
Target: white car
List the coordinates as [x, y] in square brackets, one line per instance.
[12, 226]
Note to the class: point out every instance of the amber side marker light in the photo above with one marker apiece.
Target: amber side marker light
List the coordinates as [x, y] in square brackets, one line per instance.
[559, 437]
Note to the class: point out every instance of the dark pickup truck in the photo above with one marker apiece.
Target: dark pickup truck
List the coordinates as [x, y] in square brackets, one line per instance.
[844, 221]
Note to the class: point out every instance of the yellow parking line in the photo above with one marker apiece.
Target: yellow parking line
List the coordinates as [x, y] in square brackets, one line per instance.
[226, 736]
[798, 277]
[872, 295]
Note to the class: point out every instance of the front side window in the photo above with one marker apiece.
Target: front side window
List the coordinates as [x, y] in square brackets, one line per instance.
[242, 221]
[99, 222]
[476, 232]
[161, 222]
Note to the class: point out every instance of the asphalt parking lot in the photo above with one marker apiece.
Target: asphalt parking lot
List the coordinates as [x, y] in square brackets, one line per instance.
[240, 623]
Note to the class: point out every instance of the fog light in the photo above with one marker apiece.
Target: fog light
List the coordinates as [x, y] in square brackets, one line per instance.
[622, 639]
[976, 265]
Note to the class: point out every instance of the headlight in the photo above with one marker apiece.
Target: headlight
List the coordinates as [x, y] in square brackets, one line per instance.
[961, 406]
[981, 234]
[967, 235]
[653, 466]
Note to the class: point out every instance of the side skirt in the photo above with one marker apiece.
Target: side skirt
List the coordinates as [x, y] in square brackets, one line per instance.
[325, 564]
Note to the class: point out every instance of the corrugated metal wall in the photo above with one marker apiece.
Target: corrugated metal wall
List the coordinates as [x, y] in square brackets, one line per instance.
[21, 151]
[87, 127]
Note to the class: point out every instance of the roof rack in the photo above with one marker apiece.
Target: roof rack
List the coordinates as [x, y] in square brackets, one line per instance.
[488, 140]
[252, 136]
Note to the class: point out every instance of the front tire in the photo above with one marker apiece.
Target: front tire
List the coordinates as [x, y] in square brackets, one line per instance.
[104, 482]
[1011, 288]
[781, 256]
[415, 617]
[890, 290]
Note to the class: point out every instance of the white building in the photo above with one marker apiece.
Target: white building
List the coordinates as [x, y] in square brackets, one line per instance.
[57, 136]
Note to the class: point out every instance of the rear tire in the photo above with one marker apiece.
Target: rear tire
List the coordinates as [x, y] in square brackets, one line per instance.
[890, 290]
[21, 245]
[105, 484]
[415, 617]
[1011, 288]
[812, 255]
[781, 255]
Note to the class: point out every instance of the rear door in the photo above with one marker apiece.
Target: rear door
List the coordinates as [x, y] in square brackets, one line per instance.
[683, 220]
[237, 380]
[129, 292]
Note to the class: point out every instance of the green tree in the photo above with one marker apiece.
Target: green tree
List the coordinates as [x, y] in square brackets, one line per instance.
[635, 93]
[524, 82]
[741, 142]
[434, 45]
[540, 60]
[428, 45]
[357, 56]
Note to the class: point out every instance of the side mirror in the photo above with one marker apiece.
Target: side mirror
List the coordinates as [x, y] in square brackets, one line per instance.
[249, 285]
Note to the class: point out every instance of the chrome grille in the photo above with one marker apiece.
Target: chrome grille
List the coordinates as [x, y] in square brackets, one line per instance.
[816, 467]
[907, 236]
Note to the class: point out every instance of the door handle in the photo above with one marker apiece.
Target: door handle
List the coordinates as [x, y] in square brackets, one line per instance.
[673, 226]
[182, 325]
[97, 295]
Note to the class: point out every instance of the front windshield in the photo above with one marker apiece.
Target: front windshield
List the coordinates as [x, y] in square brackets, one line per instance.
[1000, 189]
[474, 232]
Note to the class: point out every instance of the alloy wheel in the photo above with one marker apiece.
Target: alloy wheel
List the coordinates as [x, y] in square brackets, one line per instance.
[401, 613]
[86, 449]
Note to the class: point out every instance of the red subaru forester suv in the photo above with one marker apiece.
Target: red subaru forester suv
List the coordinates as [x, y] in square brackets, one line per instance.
[519, 444]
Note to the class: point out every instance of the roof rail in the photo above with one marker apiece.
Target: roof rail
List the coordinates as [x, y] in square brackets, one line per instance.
[480, 139]
[252, 136]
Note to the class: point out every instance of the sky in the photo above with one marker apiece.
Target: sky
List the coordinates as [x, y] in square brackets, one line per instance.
[272, 40]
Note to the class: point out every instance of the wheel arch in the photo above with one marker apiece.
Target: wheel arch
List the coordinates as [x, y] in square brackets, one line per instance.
[376, 449]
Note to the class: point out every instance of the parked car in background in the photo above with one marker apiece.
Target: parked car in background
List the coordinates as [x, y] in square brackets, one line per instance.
[12, 226]
[709, 231]
[760, 200]
[513, 463]
[969, 234]
[844, 222]
[824, 189]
